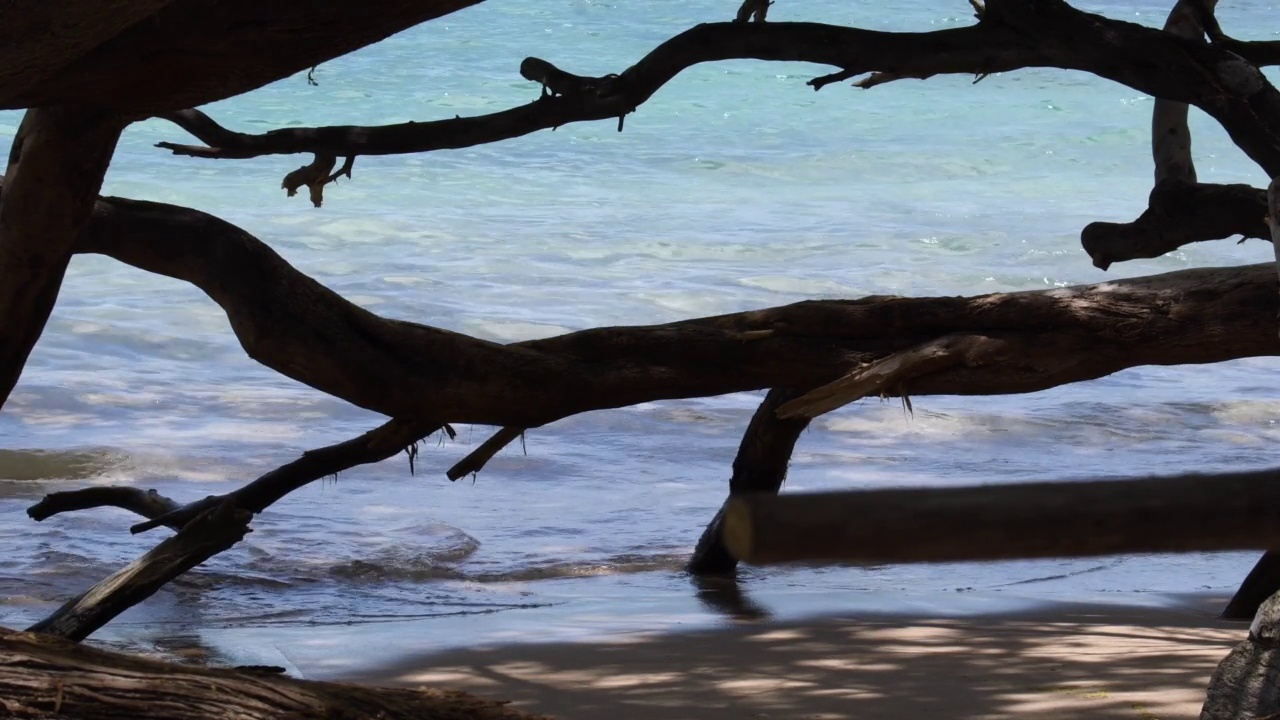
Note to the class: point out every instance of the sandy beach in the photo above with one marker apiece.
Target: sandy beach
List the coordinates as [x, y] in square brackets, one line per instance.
[1057, 661]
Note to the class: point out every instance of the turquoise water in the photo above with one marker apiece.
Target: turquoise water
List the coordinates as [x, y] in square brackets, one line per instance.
[735, 187]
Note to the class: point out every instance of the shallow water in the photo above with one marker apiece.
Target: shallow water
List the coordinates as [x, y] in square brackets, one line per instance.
[735, 187]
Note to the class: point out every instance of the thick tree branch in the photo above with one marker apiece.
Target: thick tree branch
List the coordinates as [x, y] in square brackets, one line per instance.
[38, 38]
[296, 326]
[1170, 136]
[1012, 34]
[57, 163]
[1263, 53]
[147, 503]
[1179, 213]
[1186, 513]
[205, 527]
[44, 677]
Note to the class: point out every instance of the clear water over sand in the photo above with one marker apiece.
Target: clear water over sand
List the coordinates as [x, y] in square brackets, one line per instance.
[735, 187]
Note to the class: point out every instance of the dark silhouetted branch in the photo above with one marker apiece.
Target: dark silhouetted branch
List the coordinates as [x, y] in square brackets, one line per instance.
[476, 461]
[147, 503]
[1010, 35]
[1179, 213]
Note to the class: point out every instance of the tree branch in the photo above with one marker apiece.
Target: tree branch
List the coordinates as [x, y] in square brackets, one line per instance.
[1170, 136]
[1012, 34]
[291, 323]
[57, 164]
[147, 503]
[1179, 213]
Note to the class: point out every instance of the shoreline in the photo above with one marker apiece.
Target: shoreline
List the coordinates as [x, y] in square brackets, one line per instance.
[1053, 660]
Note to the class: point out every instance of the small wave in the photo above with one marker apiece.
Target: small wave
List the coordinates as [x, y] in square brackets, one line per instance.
[28, 465]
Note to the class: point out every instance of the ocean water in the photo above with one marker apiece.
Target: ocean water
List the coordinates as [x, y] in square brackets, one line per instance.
[736, 187]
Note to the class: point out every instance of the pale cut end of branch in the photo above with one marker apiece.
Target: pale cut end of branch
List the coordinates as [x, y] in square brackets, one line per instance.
[879, 377]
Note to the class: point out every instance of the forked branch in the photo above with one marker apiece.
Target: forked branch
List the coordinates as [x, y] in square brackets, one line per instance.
[1021, 34]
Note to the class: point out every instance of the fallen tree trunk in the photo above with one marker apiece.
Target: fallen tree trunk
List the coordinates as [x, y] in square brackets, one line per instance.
[1188, 513]
[47, 677]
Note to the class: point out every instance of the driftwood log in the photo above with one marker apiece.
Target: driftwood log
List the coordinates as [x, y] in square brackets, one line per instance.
[997, 522]
[48, 677]
[89, 68]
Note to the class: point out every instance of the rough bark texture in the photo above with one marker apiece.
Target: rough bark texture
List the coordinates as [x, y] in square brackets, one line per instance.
[1246, 685]
[1179, 213]
[759, 467]
[1010, 35]
[1063, 519]
[56, 166]
[45, 677]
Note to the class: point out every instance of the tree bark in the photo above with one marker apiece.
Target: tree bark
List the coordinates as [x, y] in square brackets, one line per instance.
[56, 166]
[760, 467]
[46, 677]
[1189, 513]
[1031, 340]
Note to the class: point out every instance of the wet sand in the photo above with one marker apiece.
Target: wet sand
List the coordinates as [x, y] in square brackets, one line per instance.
[1056, 661]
